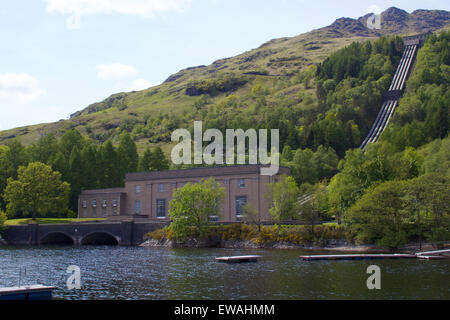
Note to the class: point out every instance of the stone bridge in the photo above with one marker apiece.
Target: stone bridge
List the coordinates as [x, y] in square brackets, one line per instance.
[125, 233]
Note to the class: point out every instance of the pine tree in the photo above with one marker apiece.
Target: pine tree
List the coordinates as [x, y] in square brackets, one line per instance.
[127, 155]
[15, 157]
[145, 161]
[111, 176]
[70, 140]
[76, 177]
[92, 170]
[159, 161]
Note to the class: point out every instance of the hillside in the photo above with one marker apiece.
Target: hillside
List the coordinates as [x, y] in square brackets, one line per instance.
[284, 67]
[323, 90]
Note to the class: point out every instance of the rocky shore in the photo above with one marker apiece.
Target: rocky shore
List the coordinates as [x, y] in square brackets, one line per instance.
[336, 245]
[332, 245]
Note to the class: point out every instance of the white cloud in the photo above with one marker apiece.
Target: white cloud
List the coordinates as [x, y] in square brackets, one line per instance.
[130, 7]
[140, 84]
[115, 71]
[20, 87]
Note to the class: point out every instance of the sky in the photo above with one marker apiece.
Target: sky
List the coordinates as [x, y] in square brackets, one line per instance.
[59, 56]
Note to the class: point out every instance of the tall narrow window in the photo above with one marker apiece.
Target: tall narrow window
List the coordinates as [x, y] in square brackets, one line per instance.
[114, 207]
[94, 208]
[241, 201]
[161, 187]
[241, 183]
[161, 208]
[137, 189]
[137, 207]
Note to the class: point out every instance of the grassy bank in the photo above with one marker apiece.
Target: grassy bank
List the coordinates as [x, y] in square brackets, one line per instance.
[16, 222]
[264, 235]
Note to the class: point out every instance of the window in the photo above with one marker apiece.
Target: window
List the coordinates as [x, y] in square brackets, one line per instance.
[160, 187]
[114, 210]
[104, 211]
[84, 213]
[137, 189]
[240, 202]
[241, 183]
[94, 203]
[114, 203]
[94, 211]
[213, 219]
[84, 204]
[161, 208]
[104, 203]
[137, 206]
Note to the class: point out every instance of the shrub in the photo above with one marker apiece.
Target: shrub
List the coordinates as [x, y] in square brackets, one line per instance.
[236, 231]
[159, 235]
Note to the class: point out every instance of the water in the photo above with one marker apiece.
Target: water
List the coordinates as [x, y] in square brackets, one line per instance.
[163, 274]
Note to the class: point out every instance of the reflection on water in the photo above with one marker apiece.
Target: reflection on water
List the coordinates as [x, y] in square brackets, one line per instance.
[160, 274]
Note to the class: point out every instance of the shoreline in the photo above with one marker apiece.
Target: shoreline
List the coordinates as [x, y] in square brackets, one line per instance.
[337, 246]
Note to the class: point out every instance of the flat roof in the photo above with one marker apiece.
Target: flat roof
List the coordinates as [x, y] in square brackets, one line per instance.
[104, 191]
[199, 172]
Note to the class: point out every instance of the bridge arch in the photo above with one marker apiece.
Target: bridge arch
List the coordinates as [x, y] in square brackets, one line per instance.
[100, 238]
[56, 238]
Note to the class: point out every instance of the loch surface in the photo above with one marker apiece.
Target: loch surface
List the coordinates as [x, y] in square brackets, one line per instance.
[135, 273]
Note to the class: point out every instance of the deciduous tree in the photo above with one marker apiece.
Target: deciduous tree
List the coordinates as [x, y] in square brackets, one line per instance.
[192, 206]
[37, 191]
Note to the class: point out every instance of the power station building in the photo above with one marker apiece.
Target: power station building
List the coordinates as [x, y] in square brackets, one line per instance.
[147, 195]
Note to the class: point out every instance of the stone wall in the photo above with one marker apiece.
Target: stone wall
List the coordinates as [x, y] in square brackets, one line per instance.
[125, 233]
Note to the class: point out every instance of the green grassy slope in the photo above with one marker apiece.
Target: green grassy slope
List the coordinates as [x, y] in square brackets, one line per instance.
[152, 114]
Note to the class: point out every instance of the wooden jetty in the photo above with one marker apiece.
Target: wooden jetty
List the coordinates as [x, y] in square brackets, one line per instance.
[238, 259]
[433, 255]
[358, 257]
[430, 255]
[35, 292]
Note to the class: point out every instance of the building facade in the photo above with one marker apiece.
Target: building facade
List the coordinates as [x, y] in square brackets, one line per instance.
[147, 195]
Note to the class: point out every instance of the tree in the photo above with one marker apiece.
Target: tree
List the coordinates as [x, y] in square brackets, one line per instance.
[111, 176]
[70, 139]
[127, 155]
[37, 191]
[145, 161]
[310, 211]
[192, 206]
[76, 177]
[429, 197]
[43, 149]
[61, 165]
[92, 170]
[251, 215]
[2, 220]
[153, 161]
[159, 161]
[15, 157]
[284, 198]
[302, 168]
[382, 215]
